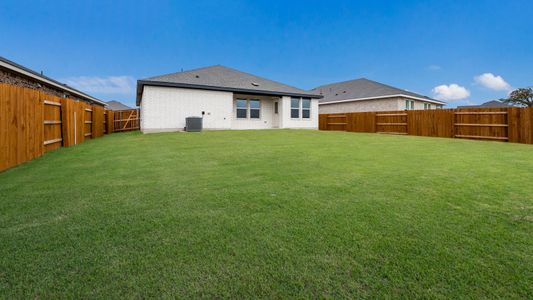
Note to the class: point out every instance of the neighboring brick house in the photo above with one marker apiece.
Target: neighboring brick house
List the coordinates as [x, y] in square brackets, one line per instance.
[14, 74]
[366, 95]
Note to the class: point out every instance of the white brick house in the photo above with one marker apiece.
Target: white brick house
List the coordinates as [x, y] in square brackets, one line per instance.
[226, 99]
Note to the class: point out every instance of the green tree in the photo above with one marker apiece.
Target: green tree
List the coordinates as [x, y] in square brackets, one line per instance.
[520, 97]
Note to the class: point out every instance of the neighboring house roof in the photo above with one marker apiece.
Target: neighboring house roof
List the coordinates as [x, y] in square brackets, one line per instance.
[115, 105]
[493, 103]
[363, 89]
[222, 78]
[12, 66]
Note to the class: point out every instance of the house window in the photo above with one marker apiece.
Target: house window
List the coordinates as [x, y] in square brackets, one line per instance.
[300, 107]
[306, 108]
[276, 107]
[242, 107]
[255, 109]
[409, 104]
[248, 109]
[295, 108]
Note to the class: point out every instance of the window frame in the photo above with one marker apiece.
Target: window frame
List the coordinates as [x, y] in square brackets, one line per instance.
[248, 109]
[409, 104]
[306, 109]
[301, 109]
[298, 109]
[258, 109]
[237, 108]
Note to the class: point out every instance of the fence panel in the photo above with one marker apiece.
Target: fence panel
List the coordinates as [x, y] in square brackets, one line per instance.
[74, 122]
[482, 123]
[21, 116]
[526, 125]
[53, 136]
[109, 121]
[68, 117]
[361, 122]
[437, 123]
[98, 121]
[501, 124]
[33, 122]
[393, 122]
[323, 121]
[87, 121]
[513, 122]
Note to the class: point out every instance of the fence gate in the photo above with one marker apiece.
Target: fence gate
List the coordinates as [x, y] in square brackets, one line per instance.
[126, 120]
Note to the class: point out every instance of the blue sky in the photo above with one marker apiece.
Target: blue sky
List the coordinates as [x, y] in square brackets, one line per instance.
[462, 51]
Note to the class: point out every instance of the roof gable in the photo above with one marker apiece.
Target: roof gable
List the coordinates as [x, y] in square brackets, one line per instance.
[361, 89]
[223, 78]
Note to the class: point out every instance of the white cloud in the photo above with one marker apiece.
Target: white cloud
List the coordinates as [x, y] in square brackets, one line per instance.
[450, 92]
[103, 85]
[434, 67]
[493, 82]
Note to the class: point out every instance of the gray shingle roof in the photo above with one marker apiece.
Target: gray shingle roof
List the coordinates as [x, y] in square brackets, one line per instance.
[493, 103]
[224, 79]
[359, 89]
[115, 105]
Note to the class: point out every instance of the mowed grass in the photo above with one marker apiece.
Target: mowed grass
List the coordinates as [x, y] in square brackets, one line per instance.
[272, 214]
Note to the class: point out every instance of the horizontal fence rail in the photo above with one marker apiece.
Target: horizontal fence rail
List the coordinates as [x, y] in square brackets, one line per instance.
[501, 124]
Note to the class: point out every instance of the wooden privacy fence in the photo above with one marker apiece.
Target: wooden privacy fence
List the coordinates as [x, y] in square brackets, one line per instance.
[502, 124]
[126, 120]
[33, 122]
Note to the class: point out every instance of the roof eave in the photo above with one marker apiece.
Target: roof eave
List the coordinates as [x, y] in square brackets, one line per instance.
[142, 83]
[5, 63]
[384, 97]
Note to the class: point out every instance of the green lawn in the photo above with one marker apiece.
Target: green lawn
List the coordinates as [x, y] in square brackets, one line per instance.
[274, 214]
